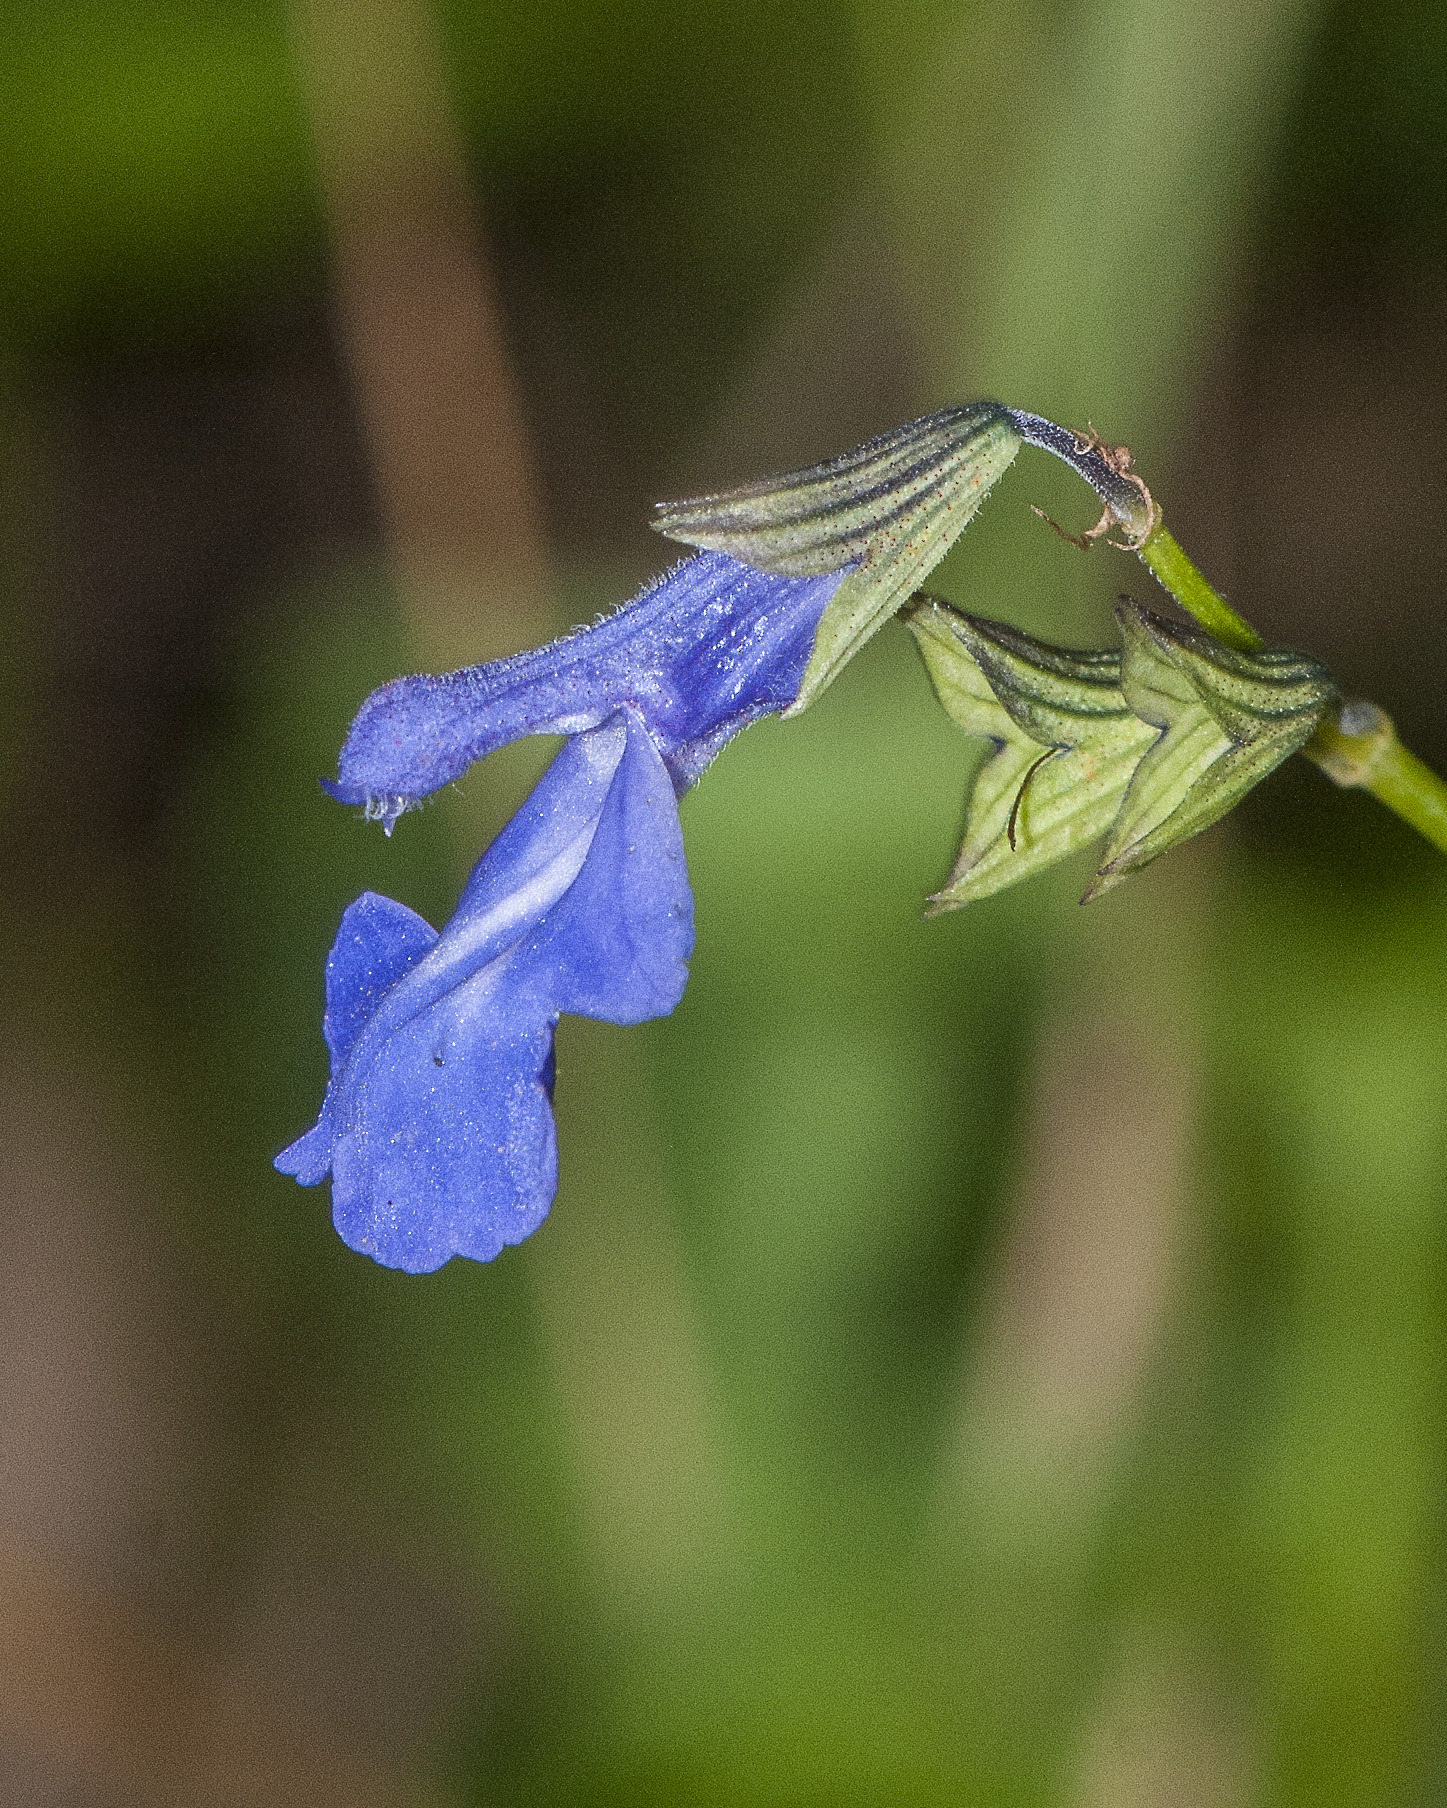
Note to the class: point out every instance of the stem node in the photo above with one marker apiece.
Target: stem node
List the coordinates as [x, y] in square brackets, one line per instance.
[1353, 748]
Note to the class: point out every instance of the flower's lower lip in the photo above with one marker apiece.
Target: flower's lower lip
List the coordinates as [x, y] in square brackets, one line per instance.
[456, 956]
[438, 1125]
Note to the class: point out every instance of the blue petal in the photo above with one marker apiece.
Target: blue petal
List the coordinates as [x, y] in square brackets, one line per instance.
[376, 944]
[309, 1159]
[700, 654]
[438, 1129]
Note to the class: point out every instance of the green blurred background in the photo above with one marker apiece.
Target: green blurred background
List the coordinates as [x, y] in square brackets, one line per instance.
[1000, 1360]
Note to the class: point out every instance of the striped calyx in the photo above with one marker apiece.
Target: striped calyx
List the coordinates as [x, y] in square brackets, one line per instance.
[890, 509]
[1226, 720]
[1147, 746]
[1066, 743]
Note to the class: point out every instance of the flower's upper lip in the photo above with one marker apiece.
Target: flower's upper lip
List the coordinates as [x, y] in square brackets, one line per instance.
[704, 650]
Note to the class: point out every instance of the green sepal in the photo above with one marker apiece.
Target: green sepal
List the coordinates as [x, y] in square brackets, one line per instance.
[891, 508]
[1066, 744]
[1228, 719]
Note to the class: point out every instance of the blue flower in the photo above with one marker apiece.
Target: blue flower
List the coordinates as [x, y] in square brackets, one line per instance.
[437, 1127]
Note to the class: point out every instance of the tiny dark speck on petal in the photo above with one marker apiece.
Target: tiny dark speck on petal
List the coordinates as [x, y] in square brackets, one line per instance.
[437, 1060]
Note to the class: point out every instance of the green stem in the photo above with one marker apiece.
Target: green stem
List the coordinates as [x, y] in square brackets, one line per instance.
[1160, 551]
[1356, 745]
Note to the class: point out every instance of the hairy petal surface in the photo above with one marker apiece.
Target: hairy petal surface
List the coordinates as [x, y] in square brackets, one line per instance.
[702, 652]
[437, 1128]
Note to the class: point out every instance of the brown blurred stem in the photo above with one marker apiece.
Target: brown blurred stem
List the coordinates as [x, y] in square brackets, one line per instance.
[422, 330]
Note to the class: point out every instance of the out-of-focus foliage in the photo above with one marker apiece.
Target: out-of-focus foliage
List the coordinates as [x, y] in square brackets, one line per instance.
[996, 1360]
[155, 157]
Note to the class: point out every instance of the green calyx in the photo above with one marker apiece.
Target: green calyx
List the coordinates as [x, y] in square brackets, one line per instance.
[891, 508]
[1227, 718]
[1066, 744]
[1146, 746]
